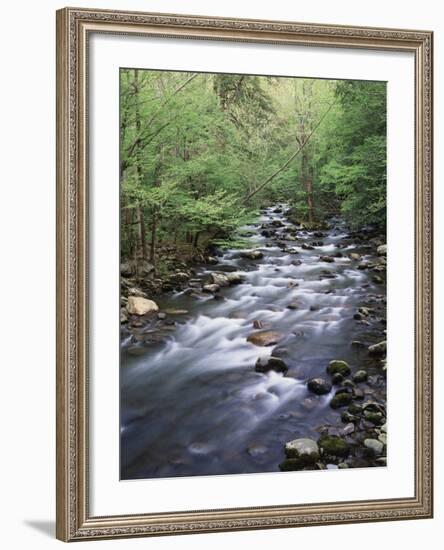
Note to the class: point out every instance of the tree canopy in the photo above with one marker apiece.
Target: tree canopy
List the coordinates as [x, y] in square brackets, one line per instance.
[200, 153]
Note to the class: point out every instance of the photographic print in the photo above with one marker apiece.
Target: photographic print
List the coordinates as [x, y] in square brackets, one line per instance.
[253, 274]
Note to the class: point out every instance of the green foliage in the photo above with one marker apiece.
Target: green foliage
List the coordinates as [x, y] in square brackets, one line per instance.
[357, 170]
[194, 146]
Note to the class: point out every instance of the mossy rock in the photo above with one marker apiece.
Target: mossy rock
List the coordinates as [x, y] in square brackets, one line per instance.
[360, 376]
[337, 379]
[347, 417]
[338, 367]
[354, 408]
[291, 465]
[332, 445]
[341, 399]
[374, 418]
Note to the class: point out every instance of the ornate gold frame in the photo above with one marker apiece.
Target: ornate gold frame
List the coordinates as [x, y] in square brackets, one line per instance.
[73, 519]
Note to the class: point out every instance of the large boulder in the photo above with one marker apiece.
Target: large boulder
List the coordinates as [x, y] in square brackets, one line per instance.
[141, 306]
[265, 338]
[382, 250]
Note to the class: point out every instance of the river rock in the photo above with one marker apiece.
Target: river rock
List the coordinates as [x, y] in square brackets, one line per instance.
[305, 450]
[354, 256]
[306, 246]
[333, 446]
[172, 311]
[348, 429]
[296, 262]
[382, 250]
[220, 279]
[179, 277]
[378, 349]
[141, 306]
[234, 278]
[327, 259]
[211, 288]
[342, 398]
[337, 378]
[295, 304]
[135, 291]
[374, 445]
[265, 338]
[360, 376]
[123, 315]
[265, 364]
[319, 386]
[338, 366]
[252, 254]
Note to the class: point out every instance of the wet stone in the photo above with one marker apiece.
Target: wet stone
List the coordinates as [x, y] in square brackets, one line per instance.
[319, 386]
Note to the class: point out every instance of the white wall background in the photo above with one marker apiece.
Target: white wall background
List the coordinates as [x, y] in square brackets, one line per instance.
[27, 213]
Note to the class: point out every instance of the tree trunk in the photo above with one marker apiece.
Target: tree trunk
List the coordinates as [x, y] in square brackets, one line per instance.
[153, 239]
[196, 239]
[310, 204]
[308, 185]
[141, 239]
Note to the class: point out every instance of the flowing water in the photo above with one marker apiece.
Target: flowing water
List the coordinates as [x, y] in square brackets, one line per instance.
[194, 404]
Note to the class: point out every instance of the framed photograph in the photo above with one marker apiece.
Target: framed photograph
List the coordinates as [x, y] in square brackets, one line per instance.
[244, 274]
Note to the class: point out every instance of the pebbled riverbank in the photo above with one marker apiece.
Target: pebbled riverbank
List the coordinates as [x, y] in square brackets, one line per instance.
[266, 358]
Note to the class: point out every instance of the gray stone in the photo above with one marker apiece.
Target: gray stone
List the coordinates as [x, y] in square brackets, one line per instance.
[378, 349]
[141, 306]
[374, 445]
[348, 429]
[220, 279]
[304, 448]
[234, 278]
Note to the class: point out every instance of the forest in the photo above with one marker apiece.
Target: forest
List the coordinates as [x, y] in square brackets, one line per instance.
[200, 153]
